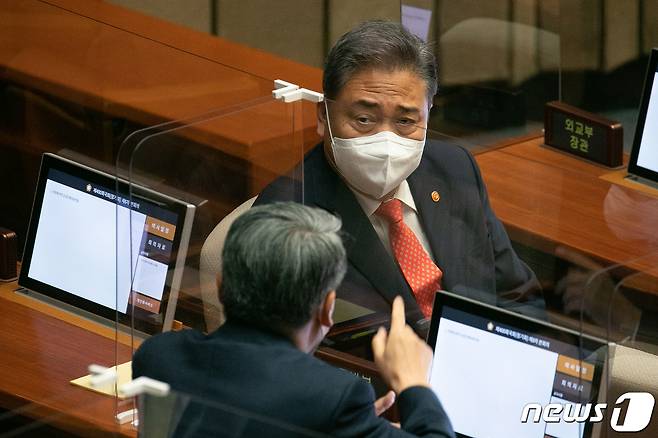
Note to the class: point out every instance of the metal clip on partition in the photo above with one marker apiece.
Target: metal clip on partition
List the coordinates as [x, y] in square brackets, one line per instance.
[141, 385]
[101, 376]
[144, 385]
[288, 92]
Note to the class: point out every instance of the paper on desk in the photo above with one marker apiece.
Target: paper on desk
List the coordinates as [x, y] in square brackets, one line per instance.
[124, 375]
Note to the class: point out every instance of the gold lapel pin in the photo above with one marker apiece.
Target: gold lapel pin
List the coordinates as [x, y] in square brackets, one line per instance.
[435, 196]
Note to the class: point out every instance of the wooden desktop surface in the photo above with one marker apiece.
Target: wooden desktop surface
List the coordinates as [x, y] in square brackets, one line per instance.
[131, 66]
[43, 348]
[41, 353]
[548, 199]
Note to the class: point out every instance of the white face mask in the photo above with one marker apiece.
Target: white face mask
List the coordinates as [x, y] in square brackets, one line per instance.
[376, 164]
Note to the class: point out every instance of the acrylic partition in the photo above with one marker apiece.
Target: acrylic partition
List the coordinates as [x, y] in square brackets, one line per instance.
[84, 88]
[586, 237]
[605, 51]
[184, 414]
[622, 299]
[498, 65]
[587, 256]
[89, 417]
[585, 249]
[161, 415]
[186, 181]
[79, 83]
[213, 165]
[590, 240]
[499, 62]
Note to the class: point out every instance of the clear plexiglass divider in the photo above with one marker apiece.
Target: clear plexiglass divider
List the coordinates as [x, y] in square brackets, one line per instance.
[185, 182]
[213, 166]
[620, 301]
[186, 414]
[88, 415]
[601, 303]
[590, 243]
[497, 68]
[161, 415]
[531, 258]
[589, 255]
[92, 122]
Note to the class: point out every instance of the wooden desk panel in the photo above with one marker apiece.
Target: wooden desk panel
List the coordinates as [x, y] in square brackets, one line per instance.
[220, 50]
[129, 65]
[547, 199]
[97, 50]
[528, 149]
[39, 355]
[84, 60]
[83, 74]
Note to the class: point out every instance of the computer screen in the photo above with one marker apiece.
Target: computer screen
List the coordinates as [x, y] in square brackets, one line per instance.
[644, 155]
[101, 250]
[490, 364]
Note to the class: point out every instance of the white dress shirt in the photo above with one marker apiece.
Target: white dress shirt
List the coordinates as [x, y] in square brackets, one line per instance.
[409, 216]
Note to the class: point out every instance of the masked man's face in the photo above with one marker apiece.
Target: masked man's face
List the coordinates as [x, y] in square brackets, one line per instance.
[374, 131]
[377, 100]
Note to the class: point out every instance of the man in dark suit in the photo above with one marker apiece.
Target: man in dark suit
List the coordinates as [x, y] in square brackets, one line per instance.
[416, 215]
[256, 376]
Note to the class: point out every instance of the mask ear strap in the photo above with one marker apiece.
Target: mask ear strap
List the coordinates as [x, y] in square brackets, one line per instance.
[326, 112]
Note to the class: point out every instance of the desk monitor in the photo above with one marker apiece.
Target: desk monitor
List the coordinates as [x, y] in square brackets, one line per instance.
[490, 363]
[644, 155]
[78, 227]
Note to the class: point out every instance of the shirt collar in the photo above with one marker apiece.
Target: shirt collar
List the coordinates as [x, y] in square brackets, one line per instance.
[370, 205]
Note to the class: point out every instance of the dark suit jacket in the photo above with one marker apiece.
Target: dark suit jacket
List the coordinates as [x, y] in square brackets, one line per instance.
[256, 383]
[467, 240]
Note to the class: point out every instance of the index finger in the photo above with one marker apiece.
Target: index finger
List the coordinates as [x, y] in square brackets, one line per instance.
[397, 314]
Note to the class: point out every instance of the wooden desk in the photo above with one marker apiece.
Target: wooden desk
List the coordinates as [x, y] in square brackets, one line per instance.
[548, 199]
[132, 66]
[40, 354]
[84, 74]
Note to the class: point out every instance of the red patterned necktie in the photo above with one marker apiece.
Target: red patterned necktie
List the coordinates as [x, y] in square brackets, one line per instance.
[419, 270]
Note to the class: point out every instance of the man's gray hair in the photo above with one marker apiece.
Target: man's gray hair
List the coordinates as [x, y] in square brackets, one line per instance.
[382, 45]
[279, 262]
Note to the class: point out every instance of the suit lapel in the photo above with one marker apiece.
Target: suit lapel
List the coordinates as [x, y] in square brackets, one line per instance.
[364, 249]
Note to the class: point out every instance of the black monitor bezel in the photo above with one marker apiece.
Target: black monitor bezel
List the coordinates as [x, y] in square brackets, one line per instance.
[633, 167]
[596, 348]
[146, 322]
